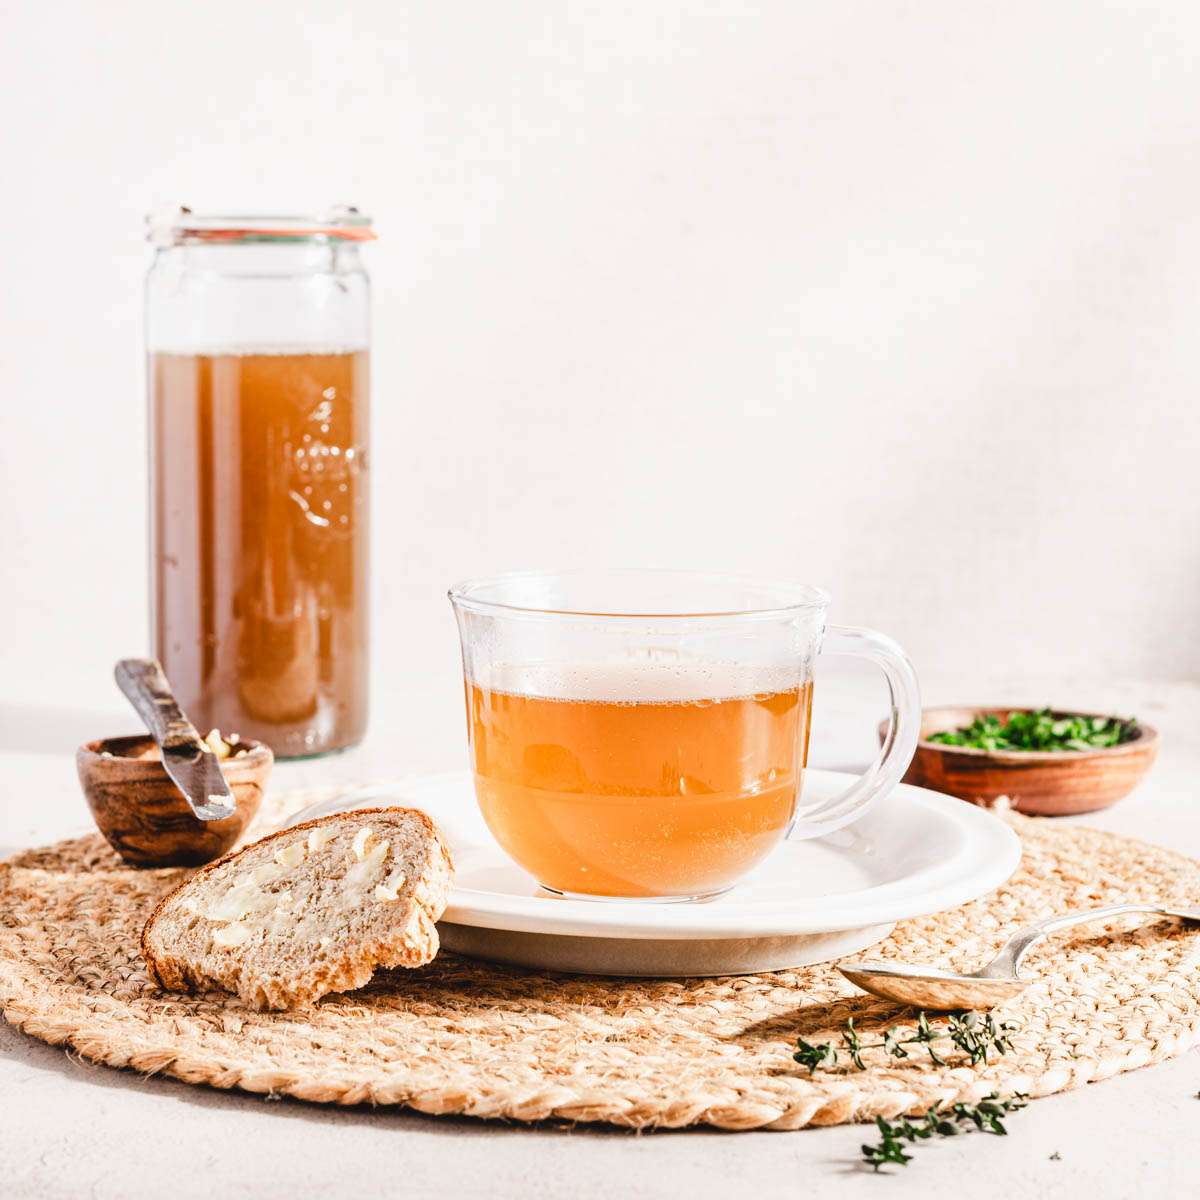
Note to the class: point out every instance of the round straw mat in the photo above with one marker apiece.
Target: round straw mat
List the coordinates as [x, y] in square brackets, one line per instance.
[465, 1037]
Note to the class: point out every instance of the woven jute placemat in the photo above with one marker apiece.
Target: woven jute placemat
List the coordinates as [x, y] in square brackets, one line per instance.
[495, 1042]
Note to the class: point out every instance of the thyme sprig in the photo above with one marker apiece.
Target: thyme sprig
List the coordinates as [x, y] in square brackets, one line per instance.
[974, 1035]
[938, 1122]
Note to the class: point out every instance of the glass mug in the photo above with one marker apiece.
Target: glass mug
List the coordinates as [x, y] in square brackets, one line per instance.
[643, 734]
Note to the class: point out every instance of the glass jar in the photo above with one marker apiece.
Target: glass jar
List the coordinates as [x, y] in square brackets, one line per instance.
[257, 332]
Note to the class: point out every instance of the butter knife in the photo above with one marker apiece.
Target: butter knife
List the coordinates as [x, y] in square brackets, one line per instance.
[188, 759]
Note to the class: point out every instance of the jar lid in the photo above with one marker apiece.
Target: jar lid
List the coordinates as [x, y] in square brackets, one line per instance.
[181, 226]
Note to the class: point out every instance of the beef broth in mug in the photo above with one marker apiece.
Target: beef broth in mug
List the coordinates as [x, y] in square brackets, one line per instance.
[633, 783]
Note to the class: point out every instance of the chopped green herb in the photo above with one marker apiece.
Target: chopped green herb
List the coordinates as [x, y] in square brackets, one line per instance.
[1039, 730]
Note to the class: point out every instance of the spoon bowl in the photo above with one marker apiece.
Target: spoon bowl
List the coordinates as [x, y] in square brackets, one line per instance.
[931, 987]
[940, 990]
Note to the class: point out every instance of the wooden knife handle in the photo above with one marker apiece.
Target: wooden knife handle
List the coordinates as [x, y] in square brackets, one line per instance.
[144, 683]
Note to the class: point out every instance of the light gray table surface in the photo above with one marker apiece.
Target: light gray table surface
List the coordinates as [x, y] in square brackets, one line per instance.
[72, 1129]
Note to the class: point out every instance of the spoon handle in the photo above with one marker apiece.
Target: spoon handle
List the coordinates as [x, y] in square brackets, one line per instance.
[1005, 964]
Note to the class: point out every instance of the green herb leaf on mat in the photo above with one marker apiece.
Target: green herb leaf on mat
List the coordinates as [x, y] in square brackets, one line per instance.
[1039, 730]
[813, 1057]
[938, 1122]
[977, 1036]
[974, 1035]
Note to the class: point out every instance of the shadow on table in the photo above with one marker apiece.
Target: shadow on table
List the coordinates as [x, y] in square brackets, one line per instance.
[31, 730]
[870, 1015]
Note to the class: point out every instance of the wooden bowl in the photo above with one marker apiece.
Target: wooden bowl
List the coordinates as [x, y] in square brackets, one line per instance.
[1042, 782]
[144, 815]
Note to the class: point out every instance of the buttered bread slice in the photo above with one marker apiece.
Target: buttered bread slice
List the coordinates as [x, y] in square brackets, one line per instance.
[307, 911]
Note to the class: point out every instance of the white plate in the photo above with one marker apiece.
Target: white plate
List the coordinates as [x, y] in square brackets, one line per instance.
[916, 852]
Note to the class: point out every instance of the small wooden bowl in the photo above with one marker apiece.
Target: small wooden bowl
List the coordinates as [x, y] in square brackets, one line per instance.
[144, 815]
[1041, 782]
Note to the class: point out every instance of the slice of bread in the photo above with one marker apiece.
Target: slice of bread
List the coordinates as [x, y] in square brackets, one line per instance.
[306, 911]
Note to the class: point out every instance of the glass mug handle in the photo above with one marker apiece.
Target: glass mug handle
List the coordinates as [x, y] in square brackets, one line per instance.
[904, 727]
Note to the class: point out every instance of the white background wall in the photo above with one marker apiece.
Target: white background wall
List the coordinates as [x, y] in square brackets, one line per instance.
[899, 298]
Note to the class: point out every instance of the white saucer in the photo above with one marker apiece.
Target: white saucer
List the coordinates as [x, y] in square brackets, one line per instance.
[916, 852]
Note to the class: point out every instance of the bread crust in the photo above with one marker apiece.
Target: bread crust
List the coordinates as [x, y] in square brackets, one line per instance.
[416, 945]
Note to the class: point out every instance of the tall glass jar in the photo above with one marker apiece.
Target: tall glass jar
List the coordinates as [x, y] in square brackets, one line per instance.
[258, 335]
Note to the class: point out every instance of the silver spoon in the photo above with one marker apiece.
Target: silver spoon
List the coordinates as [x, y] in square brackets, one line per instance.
[938, 990]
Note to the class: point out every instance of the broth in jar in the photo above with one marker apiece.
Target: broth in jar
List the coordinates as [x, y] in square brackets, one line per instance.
[260, 528]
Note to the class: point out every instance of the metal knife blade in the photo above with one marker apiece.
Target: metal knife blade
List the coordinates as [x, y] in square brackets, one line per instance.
[197, 774]
[188, 759]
